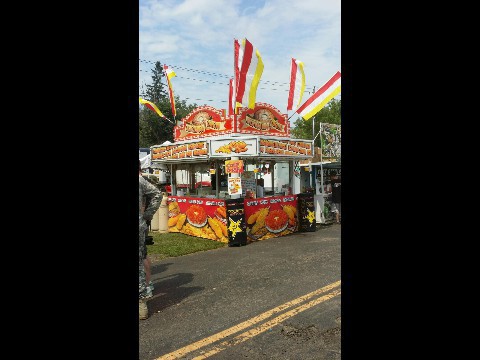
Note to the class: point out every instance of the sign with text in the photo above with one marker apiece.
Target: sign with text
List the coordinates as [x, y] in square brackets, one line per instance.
[234, 186]
[329, 172]
[193, 150]
[271, 217]
[234, 166]
[200, 217]
[263, 119]
[234, 147]
[249, 184]
[290, 148]
[202, 122]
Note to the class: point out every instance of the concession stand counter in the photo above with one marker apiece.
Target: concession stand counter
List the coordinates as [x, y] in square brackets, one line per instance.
[236, 151]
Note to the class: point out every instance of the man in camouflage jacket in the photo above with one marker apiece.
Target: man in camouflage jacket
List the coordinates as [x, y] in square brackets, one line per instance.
[153, 196]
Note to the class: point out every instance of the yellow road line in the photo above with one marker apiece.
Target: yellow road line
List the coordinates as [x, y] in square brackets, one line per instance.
[264, 327]
[234, 329]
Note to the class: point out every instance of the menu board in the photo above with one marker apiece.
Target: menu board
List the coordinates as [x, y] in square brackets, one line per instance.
[290, 148]
[271, 217]
[205, 218]
[192, 150]
[249, 184]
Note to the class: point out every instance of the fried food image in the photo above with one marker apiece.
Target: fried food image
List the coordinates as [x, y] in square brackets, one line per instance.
[224, 149]
[215, 225]
[238, 146]
[173, 209]
[196, 215]
[260, 219]
[291, 212]
[224, 228]
[173, 221]
[258, 233]
[221, 212]
[233, 146]
[258, 215]
[276, 221]
[181, 221]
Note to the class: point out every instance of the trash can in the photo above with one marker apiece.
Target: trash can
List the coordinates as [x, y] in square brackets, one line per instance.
[163, 214]
[155, 222]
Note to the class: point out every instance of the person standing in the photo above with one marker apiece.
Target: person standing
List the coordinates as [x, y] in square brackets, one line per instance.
[336, 183]
[149, 198]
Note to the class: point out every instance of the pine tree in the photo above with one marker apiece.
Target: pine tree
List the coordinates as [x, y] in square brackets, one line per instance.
[156, 91]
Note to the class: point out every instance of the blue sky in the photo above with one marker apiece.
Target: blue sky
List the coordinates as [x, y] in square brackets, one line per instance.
[195, 38]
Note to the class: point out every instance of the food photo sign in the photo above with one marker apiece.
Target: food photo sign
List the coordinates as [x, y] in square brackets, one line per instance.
[233, 147]
[270, 217]
[205, 218]
[234, 186]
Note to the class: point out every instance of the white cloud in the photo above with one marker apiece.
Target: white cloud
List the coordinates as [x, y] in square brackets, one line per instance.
[198, 35]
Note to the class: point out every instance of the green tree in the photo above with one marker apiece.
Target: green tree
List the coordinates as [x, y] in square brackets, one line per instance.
[157, 90]
[330, 114]
[153, 129]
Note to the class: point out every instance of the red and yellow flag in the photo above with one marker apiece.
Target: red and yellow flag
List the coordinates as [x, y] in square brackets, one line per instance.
[151, 106]
[321, 97]
[169, 74]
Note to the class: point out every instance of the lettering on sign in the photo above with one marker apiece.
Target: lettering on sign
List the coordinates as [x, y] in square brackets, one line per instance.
[195, 201]
[285, 147]
[214, 203]
[197, 149]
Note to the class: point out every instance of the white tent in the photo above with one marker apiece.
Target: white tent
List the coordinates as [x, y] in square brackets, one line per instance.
[146, 161]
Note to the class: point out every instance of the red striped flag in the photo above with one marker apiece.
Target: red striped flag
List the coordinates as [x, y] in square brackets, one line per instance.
[297, 84]
[230, 98]
[321, 97]
[169, 73]
[250, 71]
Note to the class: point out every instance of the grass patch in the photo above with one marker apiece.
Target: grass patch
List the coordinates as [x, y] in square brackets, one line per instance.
[178, 244]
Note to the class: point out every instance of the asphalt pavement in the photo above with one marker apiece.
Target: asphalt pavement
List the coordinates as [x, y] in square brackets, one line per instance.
[278, 298]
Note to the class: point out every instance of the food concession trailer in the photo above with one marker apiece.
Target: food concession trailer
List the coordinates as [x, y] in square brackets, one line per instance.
[236, 150]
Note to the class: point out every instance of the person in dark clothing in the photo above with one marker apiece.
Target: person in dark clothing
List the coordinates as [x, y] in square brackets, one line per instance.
[151, 195]
[336, 184]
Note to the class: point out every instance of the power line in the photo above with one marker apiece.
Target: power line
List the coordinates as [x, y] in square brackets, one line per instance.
[217, 74]
[308, 91]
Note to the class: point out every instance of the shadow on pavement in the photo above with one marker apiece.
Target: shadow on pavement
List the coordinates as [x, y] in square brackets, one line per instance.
[170, 291]
[158, 268]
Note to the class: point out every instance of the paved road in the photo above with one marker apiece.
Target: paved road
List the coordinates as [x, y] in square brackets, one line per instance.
[274, 299]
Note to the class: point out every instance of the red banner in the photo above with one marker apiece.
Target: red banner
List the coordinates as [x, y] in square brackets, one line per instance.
[205, 218]
[264, 119]
[202, 122]
[270, 217]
